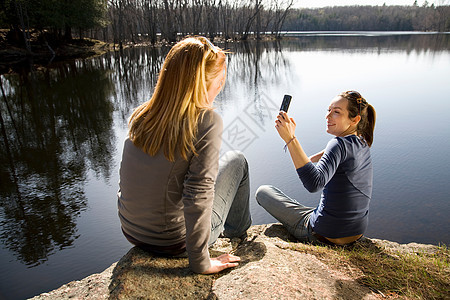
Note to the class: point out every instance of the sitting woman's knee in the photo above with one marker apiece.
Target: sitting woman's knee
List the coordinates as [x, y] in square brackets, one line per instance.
[236, 157]
[236, 154]
[263, 193]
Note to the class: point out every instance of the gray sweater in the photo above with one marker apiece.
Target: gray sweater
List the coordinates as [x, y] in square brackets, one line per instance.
[163, 203]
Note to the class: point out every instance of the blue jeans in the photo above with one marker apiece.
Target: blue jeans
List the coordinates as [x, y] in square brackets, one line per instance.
[231, 207]
[293, 215]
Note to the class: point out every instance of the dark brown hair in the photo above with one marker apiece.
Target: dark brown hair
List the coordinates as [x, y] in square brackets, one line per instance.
[357, 105]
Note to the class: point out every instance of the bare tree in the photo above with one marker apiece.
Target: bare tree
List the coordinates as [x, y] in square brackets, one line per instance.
[251, 13]
[281, 10]
[167, 25]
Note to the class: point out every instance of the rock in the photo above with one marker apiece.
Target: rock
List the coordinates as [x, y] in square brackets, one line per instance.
[271, 268]
[405, 248]
[140, 275]
[285, 274]
[91, 287]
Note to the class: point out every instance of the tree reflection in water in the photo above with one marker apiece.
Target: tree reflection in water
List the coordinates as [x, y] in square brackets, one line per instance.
[56, 124]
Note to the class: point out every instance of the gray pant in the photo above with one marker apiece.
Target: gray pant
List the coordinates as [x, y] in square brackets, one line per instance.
[231, 208]
[293, 215]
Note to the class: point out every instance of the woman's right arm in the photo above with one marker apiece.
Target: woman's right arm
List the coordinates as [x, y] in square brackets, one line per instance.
[316, 157]
[313, 177]
[286, 129]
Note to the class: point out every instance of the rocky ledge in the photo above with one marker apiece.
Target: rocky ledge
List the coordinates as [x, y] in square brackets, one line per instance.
[271, 267]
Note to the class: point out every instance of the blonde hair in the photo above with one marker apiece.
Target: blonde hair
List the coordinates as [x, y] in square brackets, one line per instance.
[169, 119]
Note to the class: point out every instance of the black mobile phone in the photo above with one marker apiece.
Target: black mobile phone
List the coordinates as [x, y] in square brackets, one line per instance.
[285, 104]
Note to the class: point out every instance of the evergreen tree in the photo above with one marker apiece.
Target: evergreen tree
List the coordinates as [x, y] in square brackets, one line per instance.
[58, 17]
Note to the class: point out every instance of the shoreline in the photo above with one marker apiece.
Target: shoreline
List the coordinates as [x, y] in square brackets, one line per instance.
[12, 56]
[14, 59]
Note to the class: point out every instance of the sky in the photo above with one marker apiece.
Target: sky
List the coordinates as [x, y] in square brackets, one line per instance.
[323, 3]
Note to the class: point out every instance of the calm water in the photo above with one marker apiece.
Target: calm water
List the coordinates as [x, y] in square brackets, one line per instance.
[62, 130]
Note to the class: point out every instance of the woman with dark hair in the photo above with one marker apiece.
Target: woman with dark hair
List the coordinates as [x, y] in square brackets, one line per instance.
[175, 195]
[343, 170]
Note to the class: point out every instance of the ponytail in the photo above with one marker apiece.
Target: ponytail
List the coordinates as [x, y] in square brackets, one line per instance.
[366, 127]
[357, 105]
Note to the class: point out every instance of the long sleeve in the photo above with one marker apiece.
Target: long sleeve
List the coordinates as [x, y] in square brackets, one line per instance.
[315, 177]
[345, 174]
[198, 191]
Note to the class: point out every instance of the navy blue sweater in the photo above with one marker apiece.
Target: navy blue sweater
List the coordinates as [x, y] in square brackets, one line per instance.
[345, 173]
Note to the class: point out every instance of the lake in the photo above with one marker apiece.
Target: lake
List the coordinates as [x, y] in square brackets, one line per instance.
[63, 127]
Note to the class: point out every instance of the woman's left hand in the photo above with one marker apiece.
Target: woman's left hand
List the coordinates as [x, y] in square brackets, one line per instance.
[285, 126]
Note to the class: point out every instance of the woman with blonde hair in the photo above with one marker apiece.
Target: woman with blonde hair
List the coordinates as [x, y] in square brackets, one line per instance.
[343, 171]
[175, 196]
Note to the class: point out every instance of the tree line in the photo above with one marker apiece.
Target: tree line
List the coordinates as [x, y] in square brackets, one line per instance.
[136, 20]
[151, 21]
[371, 18]
[52, 20]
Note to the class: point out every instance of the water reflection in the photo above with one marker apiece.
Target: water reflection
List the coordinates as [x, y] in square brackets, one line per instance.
[135, 72]
[249, 65]
[367, 43]
[56, 124]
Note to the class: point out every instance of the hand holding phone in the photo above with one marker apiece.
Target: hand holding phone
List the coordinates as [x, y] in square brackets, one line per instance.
[285, 104]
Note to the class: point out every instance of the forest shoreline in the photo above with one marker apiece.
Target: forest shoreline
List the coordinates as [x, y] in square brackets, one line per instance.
[42, 54]
[16, 59]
